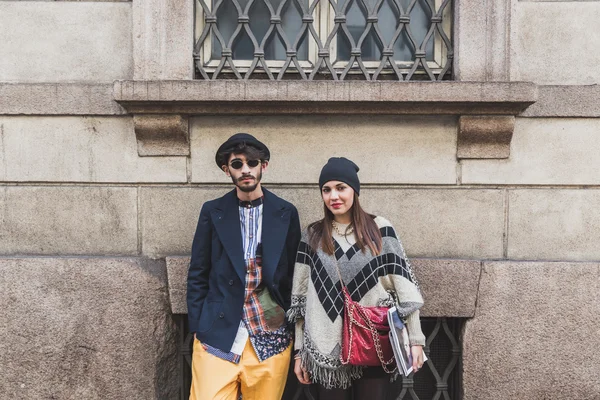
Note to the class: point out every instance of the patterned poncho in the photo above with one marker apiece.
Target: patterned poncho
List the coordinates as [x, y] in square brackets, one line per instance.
[317, 302]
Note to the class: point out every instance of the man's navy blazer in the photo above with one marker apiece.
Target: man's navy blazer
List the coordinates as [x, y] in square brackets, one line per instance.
[217, 273]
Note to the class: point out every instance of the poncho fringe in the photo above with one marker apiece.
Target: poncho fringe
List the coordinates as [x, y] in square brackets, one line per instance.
[297, 309]
[339, 376]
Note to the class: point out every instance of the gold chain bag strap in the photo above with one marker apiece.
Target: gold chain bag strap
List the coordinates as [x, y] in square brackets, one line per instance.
[365, 334]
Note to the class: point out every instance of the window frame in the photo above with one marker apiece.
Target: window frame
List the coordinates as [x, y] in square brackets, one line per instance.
[324, 23]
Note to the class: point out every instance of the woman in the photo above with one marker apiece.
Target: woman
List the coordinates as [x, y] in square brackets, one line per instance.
[371, 260]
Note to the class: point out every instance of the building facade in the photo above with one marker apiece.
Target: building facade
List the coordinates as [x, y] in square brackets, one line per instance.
[476, 125]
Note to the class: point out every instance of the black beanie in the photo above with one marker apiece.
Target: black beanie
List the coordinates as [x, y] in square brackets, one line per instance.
[340, 169]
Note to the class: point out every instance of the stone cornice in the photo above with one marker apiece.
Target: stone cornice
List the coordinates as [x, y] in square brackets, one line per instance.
[161, 109]
[68, 98]
[348, 97]
[58, 98]
[569, 101]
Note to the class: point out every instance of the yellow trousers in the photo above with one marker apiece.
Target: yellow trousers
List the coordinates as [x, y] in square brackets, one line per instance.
[217, 379]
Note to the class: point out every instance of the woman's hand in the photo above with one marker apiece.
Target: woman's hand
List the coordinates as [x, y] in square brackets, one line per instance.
[417, 356]
[301, 373]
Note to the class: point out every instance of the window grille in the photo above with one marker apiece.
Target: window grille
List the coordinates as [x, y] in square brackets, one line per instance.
[438, 379]
[324, 39]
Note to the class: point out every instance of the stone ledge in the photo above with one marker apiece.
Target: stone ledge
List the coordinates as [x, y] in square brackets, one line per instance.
[299, 97]
[446, 294]
[97, 99]
[58, 99]
[566, 101]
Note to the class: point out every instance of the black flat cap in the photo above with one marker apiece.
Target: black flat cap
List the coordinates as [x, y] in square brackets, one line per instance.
[242, 138]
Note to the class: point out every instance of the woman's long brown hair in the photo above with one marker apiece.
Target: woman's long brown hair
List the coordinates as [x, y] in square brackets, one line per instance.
[365, 230]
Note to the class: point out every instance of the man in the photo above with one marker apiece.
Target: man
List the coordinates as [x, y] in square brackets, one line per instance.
[239, 282]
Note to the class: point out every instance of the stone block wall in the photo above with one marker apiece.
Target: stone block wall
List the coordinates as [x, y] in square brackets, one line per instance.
[65, 41]
[86, 328]
[94, 238]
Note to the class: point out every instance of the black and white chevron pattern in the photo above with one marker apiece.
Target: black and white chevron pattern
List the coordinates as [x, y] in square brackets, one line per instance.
[329, 292]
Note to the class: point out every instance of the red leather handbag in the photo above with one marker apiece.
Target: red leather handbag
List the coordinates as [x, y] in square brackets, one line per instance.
[365, 335]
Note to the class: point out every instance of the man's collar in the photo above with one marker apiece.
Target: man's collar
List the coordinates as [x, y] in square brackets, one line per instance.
[251, 204]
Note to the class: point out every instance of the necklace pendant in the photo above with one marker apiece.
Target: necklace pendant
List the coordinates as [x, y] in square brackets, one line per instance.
[337, 229]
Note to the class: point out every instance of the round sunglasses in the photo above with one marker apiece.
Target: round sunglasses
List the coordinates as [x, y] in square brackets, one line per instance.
[238, 164]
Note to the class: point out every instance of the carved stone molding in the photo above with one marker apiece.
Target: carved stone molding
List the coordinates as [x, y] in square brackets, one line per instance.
[162, 134]
[487, 109]
[324, 97]
[485, 136]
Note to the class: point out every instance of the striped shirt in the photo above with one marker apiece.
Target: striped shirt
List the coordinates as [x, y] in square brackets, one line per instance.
[251, 224]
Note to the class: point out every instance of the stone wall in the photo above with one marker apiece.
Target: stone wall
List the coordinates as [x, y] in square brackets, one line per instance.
[65, 41]
[86, 328]
[94, 237]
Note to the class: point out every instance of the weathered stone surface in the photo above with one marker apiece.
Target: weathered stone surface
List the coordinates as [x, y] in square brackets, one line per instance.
[162, 135]
[545, 151]
[484, 136]
[566, 101]
[68, 220]
[535, 334]
[470, 26]
[330, 91]
[449, 286]
[569, 1]
[80, 149]
[57, 41]
[163, 45]
[90, 99]
[448, 223]
[168, 217]
[86, 328]
[554, 224]
[543, 38]
[2, 155]
[315, 97]
[58, 99]
[108, 1]
[424, 148]
[482, 45]
[443, 223]
[178, 301]
[177, 269]
[306, 199]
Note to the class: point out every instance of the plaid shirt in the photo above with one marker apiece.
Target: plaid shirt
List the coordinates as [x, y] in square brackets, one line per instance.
[253, 314]
[265, 341]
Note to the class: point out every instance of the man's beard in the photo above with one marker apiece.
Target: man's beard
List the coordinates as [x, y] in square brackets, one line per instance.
[244, 188]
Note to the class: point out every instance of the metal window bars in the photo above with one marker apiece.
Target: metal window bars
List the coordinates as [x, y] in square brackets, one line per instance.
[438, 379]
[322, 24]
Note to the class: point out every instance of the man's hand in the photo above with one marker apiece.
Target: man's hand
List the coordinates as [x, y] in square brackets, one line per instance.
[301, 373]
